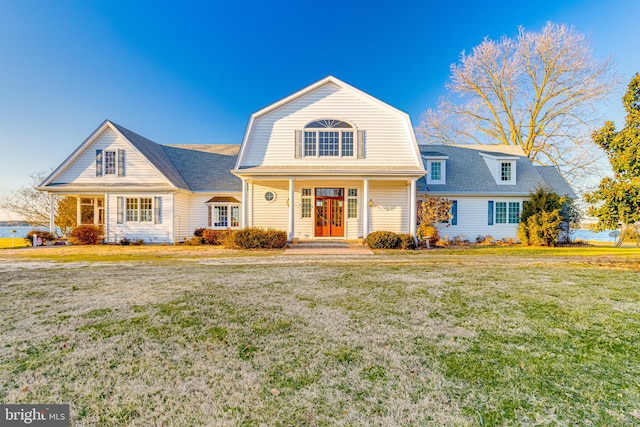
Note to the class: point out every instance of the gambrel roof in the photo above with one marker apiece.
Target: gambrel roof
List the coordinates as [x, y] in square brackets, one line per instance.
[468, 174]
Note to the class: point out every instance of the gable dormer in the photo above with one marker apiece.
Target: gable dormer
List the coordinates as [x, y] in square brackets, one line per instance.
[502, 168]
[436, 166]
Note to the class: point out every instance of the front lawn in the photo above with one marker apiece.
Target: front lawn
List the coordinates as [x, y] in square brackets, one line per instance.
[496, 336]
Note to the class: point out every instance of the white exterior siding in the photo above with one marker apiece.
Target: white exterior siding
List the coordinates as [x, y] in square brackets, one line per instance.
[390, 211]
[198, 213]
[274, 214]
[181, 217]
[150, 232]
[138, 170]
[388, 136]
[473, 216]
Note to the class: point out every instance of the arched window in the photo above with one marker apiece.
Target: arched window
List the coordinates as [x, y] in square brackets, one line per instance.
[328, 138]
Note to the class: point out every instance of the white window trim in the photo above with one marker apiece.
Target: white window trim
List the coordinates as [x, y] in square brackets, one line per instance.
[139, 210]
[511, 181]
[104, 162]
[443, 170]
[357, 199]
[508, 212]
[229, 206]
[354, 143]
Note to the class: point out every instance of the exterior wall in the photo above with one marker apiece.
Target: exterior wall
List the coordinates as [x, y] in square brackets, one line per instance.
[137, 167]
[390, 211]
[150, 232]
[273, 214]
[198, 214]
[388, 140]
[473, 219]
[181, 217]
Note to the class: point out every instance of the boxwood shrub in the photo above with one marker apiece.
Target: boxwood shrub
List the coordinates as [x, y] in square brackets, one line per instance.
[85, 235]
[257, 238]
[384, 240]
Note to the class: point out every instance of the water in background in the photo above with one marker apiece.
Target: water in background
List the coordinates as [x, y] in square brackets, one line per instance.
[601, 236]
[20, 231]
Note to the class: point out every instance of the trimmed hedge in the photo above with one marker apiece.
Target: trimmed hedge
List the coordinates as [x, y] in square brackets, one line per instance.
[85, 235]
[215, 237]
[407, 241]
[257, 238]
[384, 240]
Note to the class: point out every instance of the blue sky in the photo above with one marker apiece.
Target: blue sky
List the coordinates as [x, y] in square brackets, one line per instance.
[194, 72]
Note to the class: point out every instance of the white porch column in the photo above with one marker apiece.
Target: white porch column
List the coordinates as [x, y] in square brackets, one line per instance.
[366, 209]
[413, 211]
[52, 225]
[291, 208]
[78, 213]
[243, 209]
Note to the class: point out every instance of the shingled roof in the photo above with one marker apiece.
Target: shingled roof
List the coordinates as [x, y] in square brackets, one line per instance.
[195, 167]
[467, 172]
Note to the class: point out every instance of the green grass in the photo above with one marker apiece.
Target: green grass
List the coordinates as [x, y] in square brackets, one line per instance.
[478, 337]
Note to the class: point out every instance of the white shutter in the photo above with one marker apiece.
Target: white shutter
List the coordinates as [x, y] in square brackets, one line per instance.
[121, 164]
[360, 144]
[298, 144]
[120, 209]
[157, 210]
[98, 162]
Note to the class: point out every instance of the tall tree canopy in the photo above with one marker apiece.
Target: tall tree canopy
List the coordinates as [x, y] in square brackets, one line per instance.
[616, 202]
[537, 91]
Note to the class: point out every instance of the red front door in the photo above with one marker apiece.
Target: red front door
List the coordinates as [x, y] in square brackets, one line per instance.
[329, 212]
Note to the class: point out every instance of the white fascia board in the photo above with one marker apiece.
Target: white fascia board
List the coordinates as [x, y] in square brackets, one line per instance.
[500, 157]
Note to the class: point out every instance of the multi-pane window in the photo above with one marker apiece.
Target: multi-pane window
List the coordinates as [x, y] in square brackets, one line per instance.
[501, 212]
[305, 207]
[352, 203]
[110, 162]
[436, 171]
[146, 209]
[328, 138]
[223, 216]
[505, 171]
[514, 212]
[347, 143]
[310, 143]
[132, 209]
[328, 144]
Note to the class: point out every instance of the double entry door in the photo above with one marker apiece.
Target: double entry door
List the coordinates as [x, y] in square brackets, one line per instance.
[329, 212]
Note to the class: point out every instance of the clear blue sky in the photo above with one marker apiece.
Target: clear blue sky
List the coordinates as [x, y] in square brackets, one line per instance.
[194, 72]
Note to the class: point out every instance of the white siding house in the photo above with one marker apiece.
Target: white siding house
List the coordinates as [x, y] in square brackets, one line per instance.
[327, 162]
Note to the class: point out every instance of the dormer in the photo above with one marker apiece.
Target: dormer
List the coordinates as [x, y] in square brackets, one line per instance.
[436, 165]
[329, 138]
[503, 168]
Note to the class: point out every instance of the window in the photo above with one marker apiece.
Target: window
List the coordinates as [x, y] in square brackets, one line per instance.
[436, 171]
[146, 209]
[514, 212]
[132, 209]
[504, 212]
[305, 208]
[223, 216]
[328, 138]
[352, 203]
[505, 171]
[269, 196]
[110, 162]
[87, 211]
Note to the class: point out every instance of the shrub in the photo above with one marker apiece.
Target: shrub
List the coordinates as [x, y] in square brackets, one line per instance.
[85, 235]
[443, 242]
[384, 240]
[199, 232]
[543, 228]
[215, 237]
[407, 241]
[256, 238]
[485, 240]
[428, 233]
[44, 235]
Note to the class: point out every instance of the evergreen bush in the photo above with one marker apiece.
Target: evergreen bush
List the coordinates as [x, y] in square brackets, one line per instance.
[85, 235]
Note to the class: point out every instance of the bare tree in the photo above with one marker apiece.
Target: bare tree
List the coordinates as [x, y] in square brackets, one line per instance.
[33, 206]
[539, 91]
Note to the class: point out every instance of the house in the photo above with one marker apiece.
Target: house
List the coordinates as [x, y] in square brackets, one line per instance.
[487, 185]
[327, 162]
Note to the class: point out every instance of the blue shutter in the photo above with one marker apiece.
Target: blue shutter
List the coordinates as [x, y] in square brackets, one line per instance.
[490, 213]
[98, 162]
[121, 171]
[454, 212]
